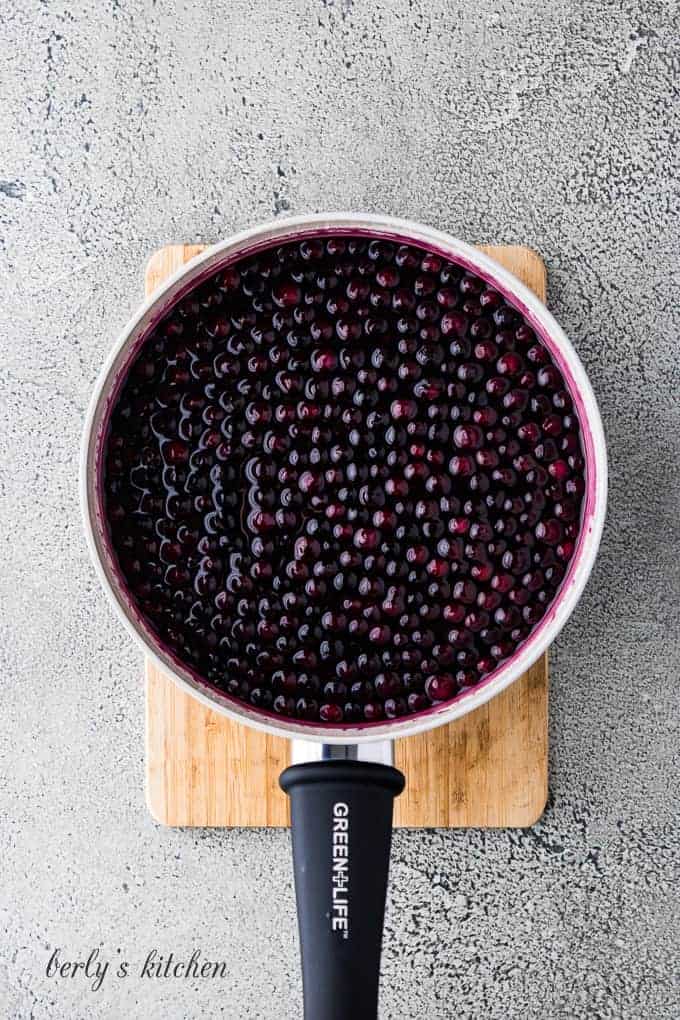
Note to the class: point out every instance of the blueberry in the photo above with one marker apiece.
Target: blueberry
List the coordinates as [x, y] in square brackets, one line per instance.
[343, 479]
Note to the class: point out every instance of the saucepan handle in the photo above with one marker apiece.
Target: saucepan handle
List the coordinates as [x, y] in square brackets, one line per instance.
[342, 831]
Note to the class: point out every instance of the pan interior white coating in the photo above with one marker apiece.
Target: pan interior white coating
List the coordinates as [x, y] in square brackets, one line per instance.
[550, 333]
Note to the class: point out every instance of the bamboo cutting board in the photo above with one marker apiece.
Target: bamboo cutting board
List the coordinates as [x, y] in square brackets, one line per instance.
[488, 769]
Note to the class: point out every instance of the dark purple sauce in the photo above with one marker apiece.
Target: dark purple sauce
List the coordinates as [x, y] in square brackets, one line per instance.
[343, 480]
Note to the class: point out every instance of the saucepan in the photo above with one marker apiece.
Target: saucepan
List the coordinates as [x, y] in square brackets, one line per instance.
[342, 782]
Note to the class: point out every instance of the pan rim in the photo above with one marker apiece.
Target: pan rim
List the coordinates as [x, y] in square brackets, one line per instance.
[280, 231]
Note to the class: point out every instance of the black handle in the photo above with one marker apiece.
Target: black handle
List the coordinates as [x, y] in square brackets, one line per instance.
[342, 830]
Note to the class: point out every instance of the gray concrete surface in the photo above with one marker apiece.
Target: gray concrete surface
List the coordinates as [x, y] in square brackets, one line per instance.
[129, 123]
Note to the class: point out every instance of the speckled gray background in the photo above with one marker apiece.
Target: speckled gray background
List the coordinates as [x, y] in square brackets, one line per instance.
[125, 125]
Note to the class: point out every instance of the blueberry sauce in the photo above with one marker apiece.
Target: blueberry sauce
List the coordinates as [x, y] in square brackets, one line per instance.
[343, 480]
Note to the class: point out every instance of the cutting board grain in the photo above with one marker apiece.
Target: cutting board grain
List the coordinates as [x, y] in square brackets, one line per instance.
[488, 769]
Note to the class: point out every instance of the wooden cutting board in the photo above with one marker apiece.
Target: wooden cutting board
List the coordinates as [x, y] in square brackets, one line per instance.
[488, 769]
